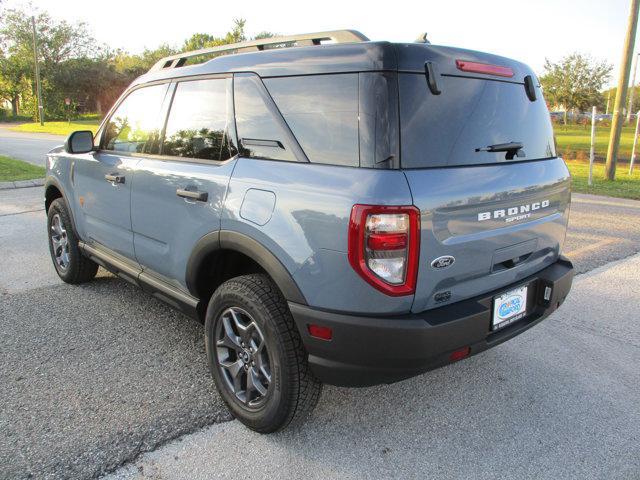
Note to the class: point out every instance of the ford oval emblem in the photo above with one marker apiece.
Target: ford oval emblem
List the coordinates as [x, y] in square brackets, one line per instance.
[443, 262]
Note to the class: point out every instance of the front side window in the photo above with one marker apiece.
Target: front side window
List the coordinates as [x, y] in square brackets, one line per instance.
[135, 125]
[198, 123]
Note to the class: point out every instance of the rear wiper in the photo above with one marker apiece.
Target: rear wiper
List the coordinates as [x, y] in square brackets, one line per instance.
[512, 149]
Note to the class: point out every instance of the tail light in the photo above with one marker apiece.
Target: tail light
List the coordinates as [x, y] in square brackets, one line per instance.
[384, 246]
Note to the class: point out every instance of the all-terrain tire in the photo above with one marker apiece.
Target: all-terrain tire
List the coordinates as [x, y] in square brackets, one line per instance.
[293, 391]
[70, 264]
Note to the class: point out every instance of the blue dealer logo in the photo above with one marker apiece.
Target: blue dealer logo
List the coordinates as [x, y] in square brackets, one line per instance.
[510, 306]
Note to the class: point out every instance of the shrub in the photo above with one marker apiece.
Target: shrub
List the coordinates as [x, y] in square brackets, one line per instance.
[568, 154]
[582, 155]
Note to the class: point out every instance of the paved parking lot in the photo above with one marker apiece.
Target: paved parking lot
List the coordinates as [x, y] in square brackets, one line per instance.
[94, 375]
[558, 402]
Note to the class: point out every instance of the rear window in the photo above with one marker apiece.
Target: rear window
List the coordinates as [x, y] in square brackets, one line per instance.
[469, 114]
[322, 112]
[260, 134]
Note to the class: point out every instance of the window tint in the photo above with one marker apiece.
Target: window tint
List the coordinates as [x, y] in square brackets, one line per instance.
[322, 112]
[135, 125]
[259, 131]
[198, 123]
[379, 139]
[455, 127]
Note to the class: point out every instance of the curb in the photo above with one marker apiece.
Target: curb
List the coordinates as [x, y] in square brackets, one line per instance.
[36, 182]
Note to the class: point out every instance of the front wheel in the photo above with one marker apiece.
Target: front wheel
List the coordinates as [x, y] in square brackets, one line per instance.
[70, 264]
[256, 356]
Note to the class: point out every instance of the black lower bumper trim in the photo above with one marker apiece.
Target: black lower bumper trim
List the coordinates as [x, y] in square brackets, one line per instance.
[367, 351]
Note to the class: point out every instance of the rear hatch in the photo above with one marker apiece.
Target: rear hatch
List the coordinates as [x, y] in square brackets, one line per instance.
[478, 153]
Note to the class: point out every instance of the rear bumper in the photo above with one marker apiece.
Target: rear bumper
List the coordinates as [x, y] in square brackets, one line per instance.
[368, 351]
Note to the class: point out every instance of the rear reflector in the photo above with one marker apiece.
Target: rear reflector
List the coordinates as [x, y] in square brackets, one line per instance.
[485, 68]
[460, 354]
[323, 333]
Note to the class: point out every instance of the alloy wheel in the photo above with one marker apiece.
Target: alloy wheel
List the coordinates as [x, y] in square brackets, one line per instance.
[243, 358]
[59, 242]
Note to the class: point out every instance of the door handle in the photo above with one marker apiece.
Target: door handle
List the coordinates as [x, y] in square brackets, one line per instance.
[112, 178]
[193, 194]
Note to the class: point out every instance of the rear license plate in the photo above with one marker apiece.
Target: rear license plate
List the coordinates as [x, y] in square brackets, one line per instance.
[509, 307]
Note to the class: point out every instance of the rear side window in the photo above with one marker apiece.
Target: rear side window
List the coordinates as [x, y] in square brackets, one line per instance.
[469, 114]
[259, 132]
[134, 127]
[199, 121]
[322, 112]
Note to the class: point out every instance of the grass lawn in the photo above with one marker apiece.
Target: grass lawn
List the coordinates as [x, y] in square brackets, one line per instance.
[12, 170]
[624, 186]
[578, 137]
[59, 128]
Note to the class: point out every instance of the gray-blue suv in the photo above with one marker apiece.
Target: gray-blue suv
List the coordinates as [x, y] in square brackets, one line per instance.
[335, 210]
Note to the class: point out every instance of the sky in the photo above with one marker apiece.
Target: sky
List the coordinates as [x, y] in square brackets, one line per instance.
[529, 31]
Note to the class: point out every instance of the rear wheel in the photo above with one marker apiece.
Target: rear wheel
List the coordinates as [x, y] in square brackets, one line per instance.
[256, 355]
[70, 264]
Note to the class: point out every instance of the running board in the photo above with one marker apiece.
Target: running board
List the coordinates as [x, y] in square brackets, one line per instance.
[131, 272]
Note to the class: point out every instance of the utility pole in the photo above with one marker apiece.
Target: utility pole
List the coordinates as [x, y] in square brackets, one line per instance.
[592, 150]
[635, 143]
[623, 82]
[37, 71]
[633, 84]
[608, 98]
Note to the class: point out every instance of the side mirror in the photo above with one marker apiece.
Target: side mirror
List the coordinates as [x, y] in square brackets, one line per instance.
[79, 142]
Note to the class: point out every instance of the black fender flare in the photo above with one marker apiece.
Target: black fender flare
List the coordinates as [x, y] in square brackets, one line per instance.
[231, 240]
[53, 182]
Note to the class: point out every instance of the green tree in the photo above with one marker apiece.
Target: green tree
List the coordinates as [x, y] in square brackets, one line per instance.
[574, 82]
[237, 34]
[13, 80]
[264, 34]
[72, 64]
[198, 41]
[58, 42]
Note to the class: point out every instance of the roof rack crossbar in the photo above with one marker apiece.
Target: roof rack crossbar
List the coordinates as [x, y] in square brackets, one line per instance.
[305, 39]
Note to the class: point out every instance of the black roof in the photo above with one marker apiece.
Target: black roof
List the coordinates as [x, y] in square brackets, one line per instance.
[339, 58]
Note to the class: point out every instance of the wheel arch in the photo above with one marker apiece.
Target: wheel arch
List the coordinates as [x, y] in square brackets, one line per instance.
[248, 252]
[53, 190]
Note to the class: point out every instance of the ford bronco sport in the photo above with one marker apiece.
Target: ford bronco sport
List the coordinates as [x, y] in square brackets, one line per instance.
[335, 210]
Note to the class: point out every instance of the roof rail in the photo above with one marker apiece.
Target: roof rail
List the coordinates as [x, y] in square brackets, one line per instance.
[304, 39]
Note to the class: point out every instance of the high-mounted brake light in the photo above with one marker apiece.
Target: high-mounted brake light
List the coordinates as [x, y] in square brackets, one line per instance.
[384, 244]
[487, 69]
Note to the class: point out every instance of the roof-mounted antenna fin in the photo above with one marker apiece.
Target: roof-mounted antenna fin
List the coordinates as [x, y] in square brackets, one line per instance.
[422, 38]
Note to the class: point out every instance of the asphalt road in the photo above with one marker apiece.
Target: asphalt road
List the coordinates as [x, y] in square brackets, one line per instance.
[94, 375]
[30, 147]
[558, 402]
